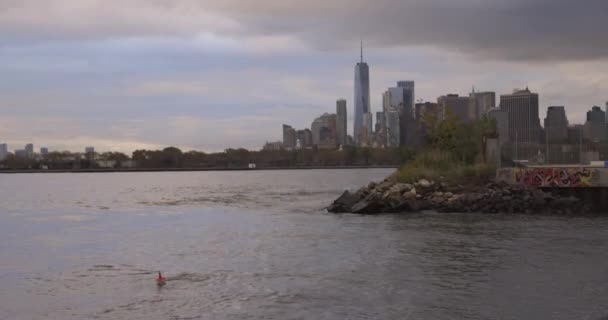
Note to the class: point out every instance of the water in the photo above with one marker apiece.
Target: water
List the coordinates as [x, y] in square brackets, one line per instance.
[258, 245]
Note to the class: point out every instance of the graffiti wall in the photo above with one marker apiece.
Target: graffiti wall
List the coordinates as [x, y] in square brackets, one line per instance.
[551, 177]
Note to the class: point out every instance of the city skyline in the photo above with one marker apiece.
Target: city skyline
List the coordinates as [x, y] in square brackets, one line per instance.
[149, 75]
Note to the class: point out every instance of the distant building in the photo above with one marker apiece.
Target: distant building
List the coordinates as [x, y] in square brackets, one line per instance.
[426, 107]
[392, 133]
[367, 131]
[289, 137]
[556, 125]
[361, 98]
[595, 127]
[29, 151]
[524, 121]
[3, 151]
[304, 137]
[341, 122]
[273, 146]
[458, 106]
[380, 129]
[21, 153]
[502, 124]
[575, 134]
[400, 99]
[44, 151]
[482, 102]
[323, 131]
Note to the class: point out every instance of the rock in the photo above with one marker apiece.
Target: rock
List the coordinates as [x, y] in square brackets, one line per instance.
[366, 207]
[438, 194]
[384, 186]
[371, 185]
[424, 183]
[448, 195]
[344, 203]
[410, 195]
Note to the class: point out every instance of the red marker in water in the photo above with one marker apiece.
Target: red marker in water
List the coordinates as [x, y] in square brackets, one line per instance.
[161, 281]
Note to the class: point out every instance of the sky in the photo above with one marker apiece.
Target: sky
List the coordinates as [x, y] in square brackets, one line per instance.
[212, 74]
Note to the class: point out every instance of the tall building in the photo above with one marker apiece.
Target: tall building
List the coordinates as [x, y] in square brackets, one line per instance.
[482, 102]
[323, 131]
[502, 124]
[44, 151]
[29, 151]
[595, 127]
[361, 98]
[367, 130]
[524, 121]
[401, 99]
[392, 131]
[341, 121]
[304, 137]
[458, 106]
[425, 108]
[556, 125]
[289, 137]
[3, 151]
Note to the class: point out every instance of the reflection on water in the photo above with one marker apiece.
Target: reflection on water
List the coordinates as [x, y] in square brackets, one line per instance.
[250, 245]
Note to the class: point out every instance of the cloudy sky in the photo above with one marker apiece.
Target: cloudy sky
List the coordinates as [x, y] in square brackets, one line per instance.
[212, 74]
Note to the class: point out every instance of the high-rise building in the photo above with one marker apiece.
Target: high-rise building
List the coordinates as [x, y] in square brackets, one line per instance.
[524, 121]
[556, 125]
[341, 121]
[323, 131]
[20, 153]
[289, 137]
[392, 133]
[401, 99]
[44, 151]
[3, 151]
[367, 130]
[361, 98]
[380, 129]
[595, 127]
[304, 137]
[502, 124]
[425, 108]
[29, 151]
[457, 106]
[481, 103]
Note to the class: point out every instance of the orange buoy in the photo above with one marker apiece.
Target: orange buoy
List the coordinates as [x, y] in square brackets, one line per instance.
[161, 281]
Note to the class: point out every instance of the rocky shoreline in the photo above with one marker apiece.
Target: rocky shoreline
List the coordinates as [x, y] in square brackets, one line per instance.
[390, 196]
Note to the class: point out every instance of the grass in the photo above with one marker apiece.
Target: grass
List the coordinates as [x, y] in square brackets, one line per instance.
[441, 166]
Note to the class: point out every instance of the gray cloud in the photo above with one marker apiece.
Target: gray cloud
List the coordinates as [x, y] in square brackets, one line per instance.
[521, 30]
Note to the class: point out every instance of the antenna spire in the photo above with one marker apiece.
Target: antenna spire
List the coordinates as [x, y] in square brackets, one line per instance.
[361, 50]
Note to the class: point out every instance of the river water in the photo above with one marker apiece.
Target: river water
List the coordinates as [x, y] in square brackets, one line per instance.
[259, 245]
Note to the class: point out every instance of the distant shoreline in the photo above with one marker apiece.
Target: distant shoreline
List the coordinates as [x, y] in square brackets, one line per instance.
[9, 171]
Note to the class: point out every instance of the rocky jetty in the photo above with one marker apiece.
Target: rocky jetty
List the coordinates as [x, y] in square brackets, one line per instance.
[390, 196]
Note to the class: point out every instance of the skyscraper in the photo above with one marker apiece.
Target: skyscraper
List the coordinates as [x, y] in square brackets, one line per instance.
[29, 151]
[341, 122]
[289, 137]
[595, 127]
[3, 151]
[482, 102]
[324, 131]
[556, 125]
[401, 100]
[458, 106]
[367, 129]
[361, 99]
[524, 121]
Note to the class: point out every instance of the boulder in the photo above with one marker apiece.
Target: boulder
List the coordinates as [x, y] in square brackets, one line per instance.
[424, 183]
[367, 207]
[410, 195]
[344, 203]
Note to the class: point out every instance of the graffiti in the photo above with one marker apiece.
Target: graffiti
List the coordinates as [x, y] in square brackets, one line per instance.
[556, 177]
